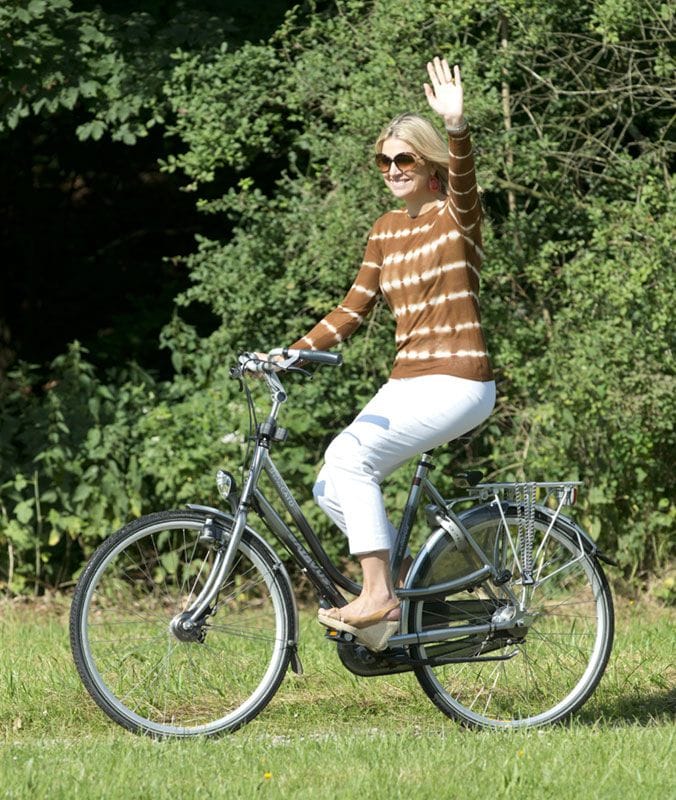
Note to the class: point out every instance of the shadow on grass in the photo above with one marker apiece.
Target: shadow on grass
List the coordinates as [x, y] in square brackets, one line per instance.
[630, 709]
[633, 709]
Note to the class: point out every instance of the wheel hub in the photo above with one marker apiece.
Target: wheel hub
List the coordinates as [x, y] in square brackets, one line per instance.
[185, 630]
[519, 623]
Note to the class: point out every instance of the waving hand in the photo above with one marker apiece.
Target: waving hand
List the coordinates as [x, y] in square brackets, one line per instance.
[445, 94]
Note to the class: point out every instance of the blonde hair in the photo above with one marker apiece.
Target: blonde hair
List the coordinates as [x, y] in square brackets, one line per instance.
[423, 137]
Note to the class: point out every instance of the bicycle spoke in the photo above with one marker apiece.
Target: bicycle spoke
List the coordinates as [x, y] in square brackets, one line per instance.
[137, 665]
[245, 633]
[546, 670]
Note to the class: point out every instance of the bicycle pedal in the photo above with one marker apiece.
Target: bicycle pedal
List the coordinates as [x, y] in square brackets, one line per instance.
[342, 637]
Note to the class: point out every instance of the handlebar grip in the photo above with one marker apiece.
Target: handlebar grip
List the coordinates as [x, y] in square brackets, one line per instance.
[319, 357]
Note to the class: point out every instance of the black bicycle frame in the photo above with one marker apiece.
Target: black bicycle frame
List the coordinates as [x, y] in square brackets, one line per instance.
[321, 571]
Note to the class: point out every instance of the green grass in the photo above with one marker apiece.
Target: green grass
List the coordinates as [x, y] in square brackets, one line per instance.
[328, 734]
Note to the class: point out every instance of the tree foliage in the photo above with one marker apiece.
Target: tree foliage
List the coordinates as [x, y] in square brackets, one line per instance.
[572, 116]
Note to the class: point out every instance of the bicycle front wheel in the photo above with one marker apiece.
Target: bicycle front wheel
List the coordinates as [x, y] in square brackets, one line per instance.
[127, 651]
[537, 673]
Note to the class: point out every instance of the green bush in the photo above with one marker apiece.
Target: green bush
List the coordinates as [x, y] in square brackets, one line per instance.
[570, 111]
[578, 288]
[69, 466]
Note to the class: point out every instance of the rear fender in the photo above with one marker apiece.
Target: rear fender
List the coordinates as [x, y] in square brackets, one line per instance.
[544, 515]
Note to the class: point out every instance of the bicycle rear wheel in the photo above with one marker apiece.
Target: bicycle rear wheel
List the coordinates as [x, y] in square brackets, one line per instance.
[142, 674]
[535, 674]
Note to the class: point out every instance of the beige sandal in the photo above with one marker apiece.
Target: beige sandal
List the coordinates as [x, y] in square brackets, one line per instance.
[373, 631]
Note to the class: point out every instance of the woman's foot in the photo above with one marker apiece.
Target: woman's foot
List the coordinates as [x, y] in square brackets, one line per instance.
[372, 630]
[367, 607]
[373, 616]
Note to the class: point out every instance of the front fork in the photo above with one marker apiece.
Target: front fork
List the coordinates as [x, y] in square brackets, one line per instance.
[187, 622]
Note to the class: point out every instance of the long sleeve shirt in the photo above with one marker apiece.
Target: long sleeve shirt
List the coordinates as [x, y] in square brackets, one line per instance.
[427, 268]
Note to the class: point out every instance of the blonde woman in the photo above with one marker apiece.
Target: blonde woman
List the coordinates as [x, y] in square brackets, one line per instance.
[425, 259]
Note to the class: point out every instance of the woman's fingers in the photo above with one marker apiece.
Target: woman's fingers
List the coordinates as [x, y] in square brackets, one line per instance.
[444, 92]
[440, 73]
[446, 71]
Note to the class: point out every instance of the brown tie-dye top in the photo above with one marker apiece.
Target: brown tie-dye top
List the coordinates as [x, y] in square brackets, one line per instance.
[427, 268]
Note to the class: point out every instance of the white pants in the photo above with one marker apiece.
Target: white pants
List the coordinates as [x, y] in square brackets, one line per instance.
[406, 417]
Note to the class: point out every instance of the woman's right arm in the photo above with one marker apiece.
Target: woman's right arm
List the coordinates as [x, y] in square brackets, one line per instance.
[355, 306]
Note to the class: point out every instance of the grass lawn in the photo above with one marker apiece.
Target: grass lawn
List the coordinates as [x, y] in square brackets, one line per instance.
[328, 734]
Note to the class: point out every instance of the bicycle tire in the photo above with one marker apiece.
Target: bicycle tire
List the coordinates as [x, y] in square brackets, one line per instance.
[550, 667]
[138, 672]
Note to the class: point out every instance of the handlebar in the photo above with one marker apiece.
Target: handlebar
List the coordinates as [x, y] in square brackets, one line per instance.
[313, 356]
[251, 362]
[269, 370]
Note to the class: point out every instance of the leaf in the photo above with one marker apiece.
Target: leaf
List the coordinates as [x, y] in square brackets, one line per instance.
[37, 7]
[24, 511]
[170, 562]
[94, 130]
[20, 536]
[93, 438]
[98, 129]
[177, 360]
[89, 88]
[69, 97]
[82, 492]
[54, 537]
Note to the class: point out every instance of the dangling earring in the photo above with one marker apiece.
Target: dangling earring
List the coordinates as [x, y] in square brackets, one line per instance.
[433, 184]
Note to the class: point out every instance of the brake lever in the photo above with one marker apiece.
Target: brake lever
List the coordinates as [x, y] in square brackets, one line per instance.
[301, 370]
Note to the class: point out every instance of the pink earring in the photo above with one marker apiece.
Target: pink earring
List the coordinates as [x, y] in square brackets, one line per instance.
[433, 183]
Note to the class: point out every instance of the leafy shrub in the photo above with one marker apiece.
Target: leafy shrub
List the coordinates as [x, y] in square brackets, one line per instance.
[69, 467]
[577, 290]
[570, 111]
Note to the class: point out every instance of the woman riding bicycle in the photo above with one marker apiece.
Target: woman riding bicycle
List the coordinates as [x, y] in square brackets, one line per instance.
[425, 259]
[184, 621]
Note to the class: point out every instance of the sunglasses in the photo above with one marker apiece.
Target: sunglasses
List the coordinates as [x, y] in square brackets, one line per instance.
[403, 161]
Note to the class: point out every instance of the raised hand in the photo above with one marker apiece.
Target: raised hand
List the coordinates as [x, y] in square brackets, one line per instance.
[445, 95]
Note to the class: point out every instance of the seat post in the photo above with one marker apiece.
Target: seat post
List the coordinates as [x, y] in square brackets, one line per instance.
[412, 502]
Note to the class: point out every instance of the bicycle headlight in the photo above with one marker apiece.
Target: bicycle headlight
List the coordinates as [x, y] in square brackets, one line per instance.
[225, 483]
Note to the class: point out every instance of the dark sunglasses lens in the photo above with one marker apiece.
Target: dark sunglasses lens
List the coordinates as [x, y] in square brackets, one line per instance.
[383, 162]
[404, 161]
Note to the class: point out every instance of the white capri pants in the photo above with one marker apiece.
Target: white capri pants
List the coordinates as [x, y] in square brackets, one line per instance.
[406, 417]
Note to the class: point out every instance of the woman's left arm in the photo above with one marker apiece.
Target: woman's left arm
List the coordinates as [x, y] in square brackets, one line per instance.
[446, 98]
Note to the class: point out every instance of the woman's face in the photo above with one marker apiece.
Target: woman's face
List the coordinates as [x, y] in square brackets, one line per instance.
[405, 185]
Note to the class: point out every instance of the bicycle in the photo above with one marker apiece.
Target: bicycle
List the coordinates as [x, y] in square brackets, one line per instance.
[185, 622]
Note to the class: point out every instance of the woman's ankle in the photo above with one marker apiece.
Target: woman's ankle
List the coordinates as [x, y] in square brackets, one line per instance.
[403, 570]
